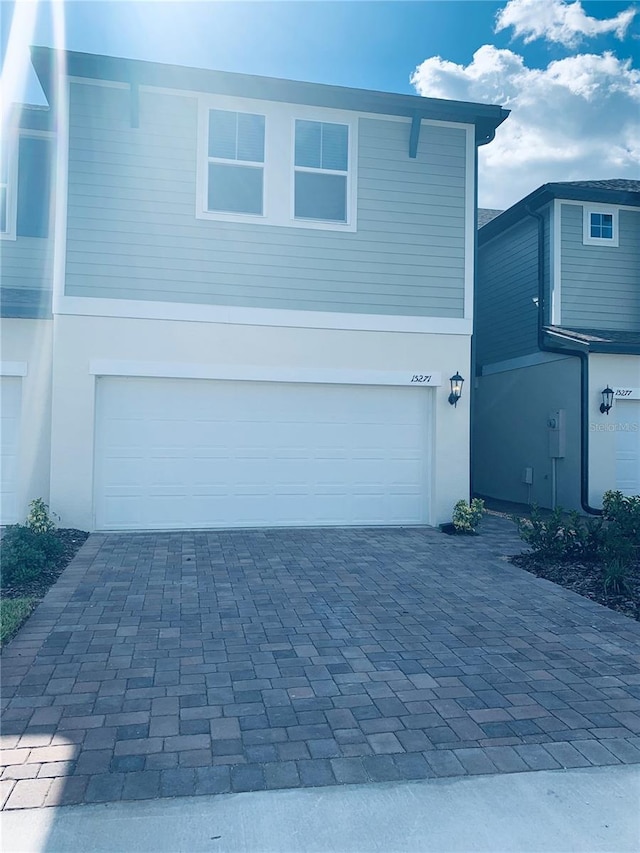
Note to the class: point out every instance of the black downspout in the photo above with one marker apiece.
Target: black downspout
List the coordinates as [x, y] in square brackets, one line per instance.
[472, 367]
[488, 137]
[584, 372]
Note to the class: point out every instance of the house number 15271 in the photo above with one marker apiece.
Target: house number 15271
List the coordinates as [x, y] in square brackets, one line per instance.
[420, 377]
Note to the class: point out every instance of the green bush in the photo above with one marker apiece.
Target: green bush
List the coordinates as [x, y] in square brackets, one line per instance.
[13, 612]
[614, 576]
[39, 519]
[558, 536]
[622, 527]
[613, 539]
[25, 553]
[466, 517]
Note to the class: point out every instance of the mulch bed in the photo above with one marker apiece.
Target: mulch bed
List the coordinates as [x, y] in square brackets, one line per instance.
[71, 540]
[586, 579]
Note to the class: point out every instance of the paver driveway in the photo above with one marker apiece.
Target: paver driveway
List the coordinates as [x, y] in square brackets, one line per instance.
[167, 664]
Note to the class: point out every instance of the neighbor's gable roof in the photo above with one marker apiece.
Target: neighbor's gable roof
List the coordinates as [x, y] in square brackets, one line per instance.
[46, 61]
[486, 214]
[613, 191]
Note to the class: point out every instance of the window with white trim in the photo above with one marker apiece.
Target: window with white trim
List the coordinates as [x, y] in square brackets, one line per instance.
[4, 187]
[321, 171]
[600, 226]
[235, 162]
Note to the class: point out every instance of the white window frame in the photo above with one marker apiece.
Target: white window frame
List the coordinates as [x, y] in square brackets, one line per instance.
[608, 210]
[12, 186]
[320, 171]
[279, 158]
[225, 161]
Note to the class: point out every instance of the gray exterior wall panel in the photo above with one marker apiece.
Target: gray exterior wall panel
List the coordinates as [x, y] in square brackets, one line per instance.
[133, 233]
[600, 284]
[507, 283]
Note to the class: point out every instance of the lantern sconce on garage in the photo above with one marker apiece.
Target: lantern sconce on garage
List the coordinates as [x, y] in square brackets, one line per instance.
[607, 401]
[456, 388]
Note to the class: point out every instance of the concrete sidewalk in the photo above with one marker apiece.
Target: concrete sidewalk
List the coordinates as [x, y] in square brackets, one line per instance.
[584, 810]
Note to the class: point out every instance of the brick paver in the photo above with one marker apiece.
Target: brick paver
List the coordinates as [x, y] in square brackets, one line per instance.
[174, 664]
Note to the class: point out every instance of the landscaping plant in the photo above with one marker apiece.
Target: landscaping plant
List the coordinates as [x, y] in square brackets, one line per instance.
[466, 517]
[32, 556]
[558, 535]
[25, 553]
[39, 519]
[599, 557]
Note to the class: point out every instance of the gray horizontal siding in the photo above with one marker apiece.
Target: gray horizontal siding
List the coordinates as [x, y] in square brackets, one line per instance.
[26, 265]
[507, 282]
[600, 284]
[132, 231]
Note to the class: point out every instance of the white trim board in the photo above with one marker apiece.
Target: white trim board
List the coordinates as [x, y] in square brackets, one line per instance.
[62, 192]
[609, 207]
[532, 360]
[469, 222]
[193, 93]
[555, 263]
[250, 373]
[196, 313]
[13, 368]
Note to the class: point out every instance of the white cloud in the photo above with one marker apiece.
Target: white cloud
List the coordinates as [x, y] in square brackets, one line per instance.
[558, 21]
[576, 119]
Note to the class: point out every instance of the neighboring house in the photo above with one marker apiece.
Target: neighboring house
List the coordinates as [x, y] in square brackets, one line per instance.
[260, 291]
[558, 324]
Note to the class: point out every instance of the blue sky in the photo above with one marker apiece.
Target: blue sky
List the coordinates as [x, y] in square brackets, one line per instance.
[568, 71]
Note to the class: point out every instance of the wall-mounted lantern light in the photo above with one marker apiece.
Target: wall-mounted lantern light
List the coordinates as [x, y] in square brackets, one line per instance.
[607, 401]
[456, 388]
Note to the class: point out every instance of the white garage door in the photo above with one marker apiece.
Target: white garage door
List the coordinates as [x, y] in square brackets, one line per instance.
[10, 396]
[627, 414]
[181, 453]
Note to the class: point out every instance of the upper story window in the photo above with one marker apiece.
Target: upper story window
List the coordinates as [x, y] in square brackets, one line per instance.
[6, 187]
[235, 177]
[276, 164]
[600, 226]
[321, 170]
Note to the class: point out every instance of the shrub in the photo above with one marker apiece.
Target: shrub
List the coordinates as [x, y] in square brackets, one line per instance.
[466, 517]
[39, 519]
[13, 612]
[557, 536]
[613, 539]
[614, 576]
[622, 526]
[25, 553]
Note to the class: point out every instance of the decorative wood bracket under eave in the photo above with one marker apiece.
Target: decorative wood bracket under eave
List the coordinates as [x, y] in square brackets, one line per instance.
[414, 136]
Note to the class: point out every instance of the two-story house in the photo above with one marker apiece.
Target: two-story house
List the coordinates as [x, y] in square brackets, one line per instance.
[260, 291]
[557, 347]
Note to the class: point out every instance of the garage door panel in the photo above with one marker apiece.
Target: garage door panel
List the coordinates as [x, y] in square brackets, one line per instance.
[628, 447]
[185, 453]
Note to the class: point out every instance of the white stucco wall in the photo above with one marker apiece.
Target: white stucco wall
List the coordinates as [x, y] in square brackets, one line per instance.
[614, 371]
[29, 343]
[511, 433]
[79, 340]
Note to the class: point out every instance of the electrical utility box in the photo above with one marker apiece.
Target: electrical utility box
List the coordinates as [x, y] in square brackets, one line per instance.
[557, 434]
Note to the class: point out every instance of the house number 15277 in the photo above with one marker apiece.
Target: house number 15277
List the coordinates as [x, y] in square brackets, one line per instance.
[421, 377]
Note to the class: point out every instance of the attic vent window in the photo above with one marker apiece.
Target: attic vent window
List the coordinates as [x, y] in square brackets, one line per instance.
[235, 162]
[600, 227]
